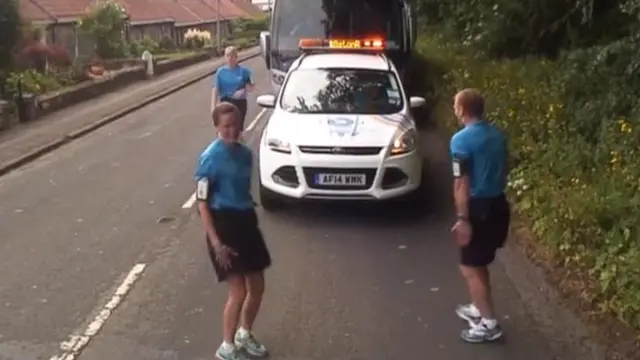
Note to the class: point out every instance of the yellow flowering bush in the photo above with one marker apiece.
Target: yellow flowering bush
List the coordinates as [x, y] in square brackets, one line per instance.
[197, 39]
[573, 132]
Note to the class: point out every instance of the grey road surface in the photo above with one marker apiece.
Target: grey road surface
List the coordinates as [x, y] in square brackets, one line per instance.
[348, 282]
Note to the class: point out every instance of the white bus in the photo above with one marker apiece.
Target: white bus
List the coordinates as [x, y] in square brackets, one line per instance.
[291, 20]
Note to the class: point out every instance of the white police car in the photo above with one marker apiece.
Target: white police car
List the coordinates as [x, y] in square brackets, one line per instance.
[341, 128]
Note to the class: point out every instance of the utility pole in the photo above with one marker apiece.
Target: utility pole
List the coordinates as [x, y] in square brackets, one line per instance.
[218, 27]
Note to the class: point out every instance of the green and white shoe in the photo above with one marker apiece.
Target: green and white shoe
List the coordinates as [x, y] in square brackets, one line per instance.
[230, 352]
[246, 341]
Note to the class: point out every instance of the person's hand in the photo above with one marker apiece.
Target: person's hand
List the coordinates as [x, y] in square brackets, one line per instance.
[224, 254]
[239, 93]
[462, 232]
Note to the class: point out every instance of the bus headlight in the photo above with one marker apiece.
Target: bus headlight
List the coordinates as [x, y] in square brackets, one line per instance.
[404, 143]
[279, 146]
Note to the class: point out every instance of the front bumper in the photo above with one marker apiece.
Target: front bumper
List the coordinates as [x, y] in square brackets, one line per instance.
[292, 175]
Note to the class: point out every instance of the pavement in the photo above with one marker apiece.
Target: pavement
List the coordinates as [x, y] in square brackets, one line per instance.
[28, 141]
[102, 257]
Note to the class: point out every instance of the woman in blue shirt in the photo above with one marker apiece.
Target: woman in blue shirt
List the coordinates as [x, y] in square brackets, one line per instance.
[231, 84]
[235, 243]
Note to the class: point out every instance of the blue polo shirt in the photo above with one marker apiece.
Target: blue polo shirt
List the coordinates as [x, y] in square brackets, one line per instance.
[229, 80]
[484, 148]
[228, 169]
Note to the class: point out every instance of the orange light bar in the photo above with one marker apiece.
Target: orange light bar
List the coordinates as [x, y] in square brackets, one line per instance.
[373, 44]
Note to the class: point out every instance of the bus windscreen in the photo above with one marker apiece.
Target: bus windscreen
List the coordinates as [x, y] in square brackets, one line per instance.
[295, 19]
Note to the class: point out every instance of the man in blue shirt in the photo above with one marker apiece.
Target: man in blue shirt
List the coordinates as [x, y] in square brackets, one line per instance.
[234, 240]
[480, 165]
[231, 83]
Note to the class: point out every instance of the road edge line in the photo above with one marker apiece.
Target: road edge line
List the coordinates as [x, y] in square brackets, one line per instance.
[77, 134]
[72, 348]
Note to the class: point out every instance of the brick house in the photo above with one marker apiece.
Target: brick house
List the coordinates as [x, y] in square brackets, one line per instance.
[154, 18]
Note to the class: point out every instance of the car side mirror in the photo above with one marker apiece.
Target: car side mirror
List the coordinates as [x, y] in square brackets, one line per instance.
[266, 101]
[417, 102]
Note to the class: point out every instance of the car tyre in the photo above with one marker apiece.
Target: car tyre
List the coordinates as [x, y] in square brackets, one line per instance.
[269, 201]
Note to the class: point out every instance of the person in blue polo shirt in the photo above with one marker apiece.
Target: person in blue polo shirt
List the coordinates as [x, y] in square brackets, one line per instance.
[234, 240]
[231, 83]
[480, 166]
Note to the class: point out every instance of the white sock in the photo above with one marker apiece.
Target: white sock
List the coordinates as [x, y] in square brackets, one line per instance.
[243, 333]
[489, 323]
[227, 346]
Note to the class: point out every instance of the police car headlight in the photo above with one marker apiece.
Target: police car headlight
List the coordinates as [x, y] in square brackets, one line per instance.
[279, 146]
[404, 143]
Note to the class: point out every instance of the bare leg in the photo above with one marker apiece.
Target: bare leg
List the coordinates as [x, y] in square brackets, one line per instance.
[477, 279]
[254, 284]
[231, 314]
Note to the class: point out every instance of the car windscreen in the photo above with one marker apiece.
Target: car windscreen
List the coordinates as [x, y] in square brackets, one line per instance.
[341, 91]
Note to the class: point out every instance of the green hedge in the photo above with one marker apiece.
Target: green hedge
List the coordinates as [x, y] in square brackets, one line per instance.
[573, 126]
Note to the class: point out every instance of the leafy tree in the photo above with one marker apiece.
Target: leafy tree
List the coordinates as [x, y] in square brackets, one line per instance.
[11, 29]
[106, 21]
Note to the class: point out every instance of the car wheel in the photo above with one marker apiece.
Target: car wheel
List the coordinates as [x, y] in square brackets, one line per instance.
[269, 200]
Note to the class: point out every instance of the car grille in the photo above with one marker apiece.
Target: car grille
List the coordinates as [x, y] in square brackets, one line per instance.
[341, 150]
[310, 172]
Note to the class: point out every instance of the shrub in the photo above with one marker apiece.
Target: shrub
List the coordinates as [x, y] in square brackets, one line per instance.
[106, 21]
[39, 56]
[249, 28]
[574, 131]
[137, 47]
[196, 39]
[32, 82]
[512, 28]
[167, 44]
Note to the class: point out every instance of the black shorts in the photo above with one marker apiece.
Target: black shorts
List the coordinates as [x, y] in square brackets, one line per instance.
[490, 220]
[241, 105]
[238, 229]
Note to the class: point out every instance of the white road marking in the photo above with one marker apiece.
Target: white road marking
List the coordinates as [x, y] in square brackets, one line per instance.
[255, 121]
[76, 343]
[189, 203]
[192, 199]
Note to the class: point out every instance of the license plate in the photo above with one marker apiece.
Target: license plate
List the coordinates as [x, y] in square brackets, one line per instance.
[341, 179]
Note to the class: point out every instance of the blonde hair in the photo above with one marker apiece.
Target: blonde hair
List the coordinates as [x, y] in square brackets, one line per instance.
[471, 102]
[230, 50]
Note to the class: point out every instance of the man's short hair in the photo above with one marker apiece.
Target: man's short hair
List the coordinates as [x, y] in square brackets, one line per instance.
[471, 101]
[225, 108]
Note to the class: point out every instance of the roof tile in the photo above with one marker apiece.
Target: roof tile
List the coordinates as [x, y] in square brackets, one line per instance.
[204, 11]
[142, 11]
[30, 11]
[179, 13]
[248, 7]
[64, 9]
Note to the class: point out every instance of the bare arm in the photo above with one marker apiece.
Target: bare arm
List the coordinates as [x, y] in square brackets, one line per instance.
[250, 85]
[461, 196]
[461, 182]
[214, 98]
[208, 223]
